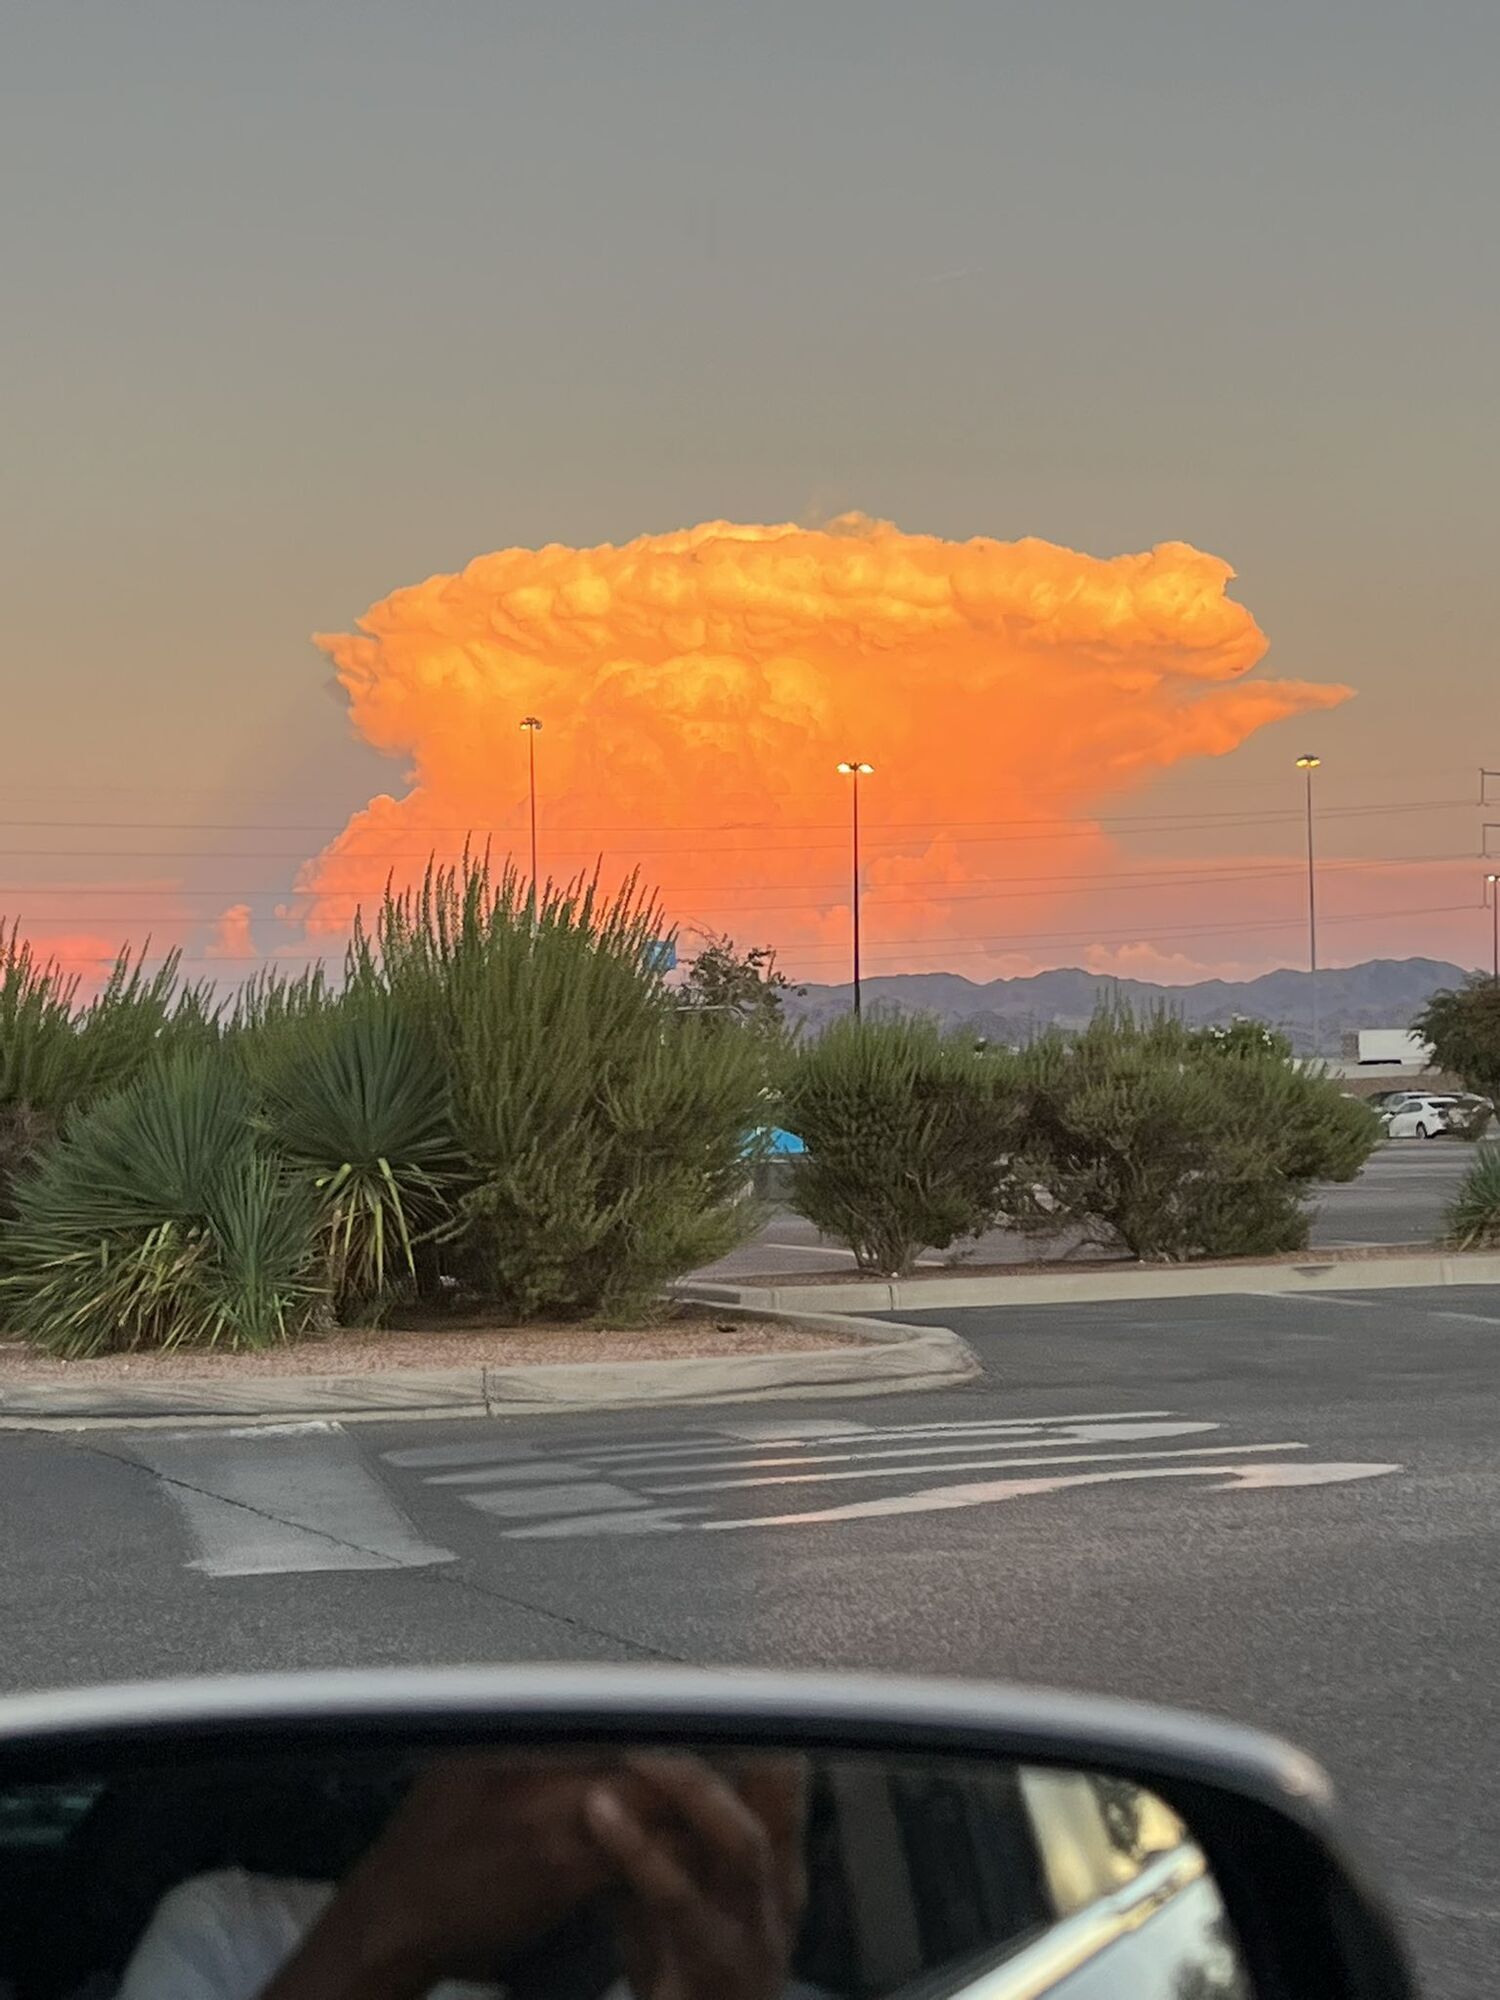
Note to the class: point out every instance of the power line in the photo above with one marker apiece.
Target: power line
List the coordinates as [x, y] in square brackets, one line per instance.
[752, 844]
[1163, 822]
[974, 889]
[990, 945]
[979, 946]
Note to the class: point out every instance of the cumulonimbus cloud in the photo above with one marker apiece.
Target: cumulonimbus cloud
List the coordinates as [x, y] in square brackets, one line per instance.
[697, 690]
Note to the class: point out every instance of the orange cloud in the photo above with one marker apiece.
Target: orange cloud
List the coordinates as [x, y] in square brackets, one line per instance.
[231, 936]
[698, 688]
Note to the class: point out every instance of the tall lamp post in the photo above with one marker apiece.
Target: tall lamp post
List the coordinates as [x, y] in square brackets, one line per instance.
[1307, 765]
[1492, 886]
[853, 768]
[532, 725]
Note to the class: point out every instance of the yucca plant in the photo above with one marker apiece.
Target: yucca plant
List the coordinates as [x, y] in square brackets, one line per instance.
[358, 1106]
[155, 1222]
[1474, 1216]
[58, 1051]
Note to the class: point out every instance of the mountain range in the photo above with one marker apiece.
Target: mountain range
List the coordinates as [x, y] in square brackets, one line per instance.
[1381, 993]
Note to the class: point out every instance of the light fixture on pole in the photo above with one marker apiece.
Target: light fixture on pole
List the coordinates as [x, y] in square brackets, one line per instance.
[1307, 765]
[853, 768]
[532, 724]
[1492, 886]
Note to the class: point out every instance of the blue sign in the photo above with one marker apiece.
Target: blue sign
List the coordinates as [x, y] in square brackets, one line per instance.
[661, 955]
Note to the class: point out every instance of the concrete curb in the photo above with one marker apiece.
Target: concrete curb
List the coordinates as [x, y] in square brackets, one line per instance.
[1077, 1286]
[887, 1358]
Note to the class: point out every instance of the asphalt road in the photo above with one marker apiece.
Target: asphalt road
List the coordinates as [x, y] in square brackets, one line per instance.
[1399, 1198]
[1283, 1509]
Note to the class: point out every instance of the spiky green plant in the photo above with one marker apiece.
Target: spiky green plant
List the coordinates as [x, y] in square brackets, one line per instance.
[155, 1222]
[359, 1107]
[1474, 1216]
[58, 1051]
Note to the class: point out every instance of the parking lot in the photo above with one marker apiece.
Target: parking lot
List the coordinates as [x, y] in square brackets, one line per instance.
[1400, 1197]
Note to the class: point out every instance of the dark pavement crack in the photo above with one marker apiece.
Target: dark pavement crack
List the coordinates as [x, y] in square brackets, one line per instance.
[450, 1574]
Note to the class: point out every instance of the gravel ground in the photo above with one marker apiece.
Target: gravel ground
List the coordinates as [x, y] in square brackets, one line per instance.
[353, 1353]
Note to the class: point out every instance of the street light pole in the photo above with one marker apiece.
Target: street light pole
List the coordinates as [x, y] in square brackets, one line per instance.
[1307, 765]
[1492, 882]
[532, 725]
[855, 769]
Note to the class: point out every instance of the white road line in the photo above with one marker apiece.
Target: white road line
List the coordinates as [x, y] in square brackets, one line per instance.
[301, 1499]
[639, 1521]
[594, 1496]
[767, 1429]
[542, 1471]
[1317, 1299]
[941, 1498]
[933, 1447]
[462, 1454]
[965, 1465]
[1469, 1319]
[623, 1455]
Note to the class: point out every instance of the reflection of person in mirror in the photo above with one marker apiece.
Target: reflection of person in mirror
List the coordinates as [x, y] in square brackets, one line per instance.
[700, 1876]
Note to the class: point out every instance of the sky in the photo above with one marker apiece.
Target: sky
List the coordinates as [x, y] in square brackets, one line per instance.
[307, 310]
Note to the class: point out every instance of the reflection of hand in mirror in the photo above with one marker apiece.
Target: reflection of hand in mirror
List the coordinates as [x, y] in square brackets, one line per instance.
[482, 1857]
[710, 1876]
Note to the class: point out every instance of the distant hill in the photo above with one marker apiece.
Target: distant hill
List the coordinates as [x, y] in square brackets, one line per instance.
[1381, 993]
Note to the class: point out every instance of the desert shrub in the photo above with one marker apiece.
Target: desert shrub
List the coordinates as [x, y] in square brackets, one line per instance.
[1146, 1136]
[907, 1132]
[58, 1051]
[358, 1106]
[157, 1221]
[601, 1127]
[1474, 1216]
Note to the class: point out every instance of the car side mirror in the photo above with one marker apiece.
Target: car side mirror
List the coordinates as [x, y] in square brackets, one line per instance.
[577, 1833]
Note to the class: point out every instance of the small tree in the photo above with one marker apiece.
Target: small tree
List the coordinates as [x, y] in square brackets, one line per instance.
[1463, 1025]
[907, 1132]
[735, 985]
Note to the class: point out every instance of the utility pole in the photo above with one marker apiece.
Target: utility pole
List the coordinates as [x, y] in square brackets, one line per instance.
[1492, 888]
[1307, 765]
[854, 768]
[532, 725]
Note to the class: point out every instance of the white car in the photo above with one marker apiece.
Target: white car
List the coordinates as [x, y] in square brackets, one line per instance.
[1417, 1118]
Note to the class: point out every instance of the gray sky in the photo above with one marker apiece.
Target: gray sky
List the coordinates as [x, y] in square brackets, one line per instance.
[304, 302]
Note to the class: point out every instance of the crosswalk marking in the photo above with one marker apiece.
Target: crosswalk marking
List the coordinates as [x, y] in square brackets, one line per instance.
[964, 1465]
[944, 1497]
[676, 1482]
[485, 1475]
[592, 1497]
[299, 1498]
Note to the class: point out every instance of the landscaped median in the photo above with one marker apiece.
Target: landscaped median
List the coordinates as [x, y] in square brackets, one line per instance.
[743, 1354]
[1077, 1284]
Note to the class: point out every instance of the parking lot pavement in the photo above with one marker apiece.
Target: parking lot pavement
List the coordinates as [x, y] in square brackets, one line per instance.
[1281, 1508]
[1400, 1197]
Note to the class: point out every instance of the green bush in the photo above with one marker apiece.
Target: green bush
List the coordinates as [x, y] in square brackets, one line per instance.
[1173, 1144]
[1474, 1217]
[157, 1221]
[1463, 1026]
[907, 1132]
[601, 1126]
[57, 1052]
[359, 1107]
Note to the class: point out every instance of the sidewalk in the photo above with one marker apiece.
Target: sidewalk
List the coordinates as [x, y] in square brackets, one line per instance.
[1328, 1271]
